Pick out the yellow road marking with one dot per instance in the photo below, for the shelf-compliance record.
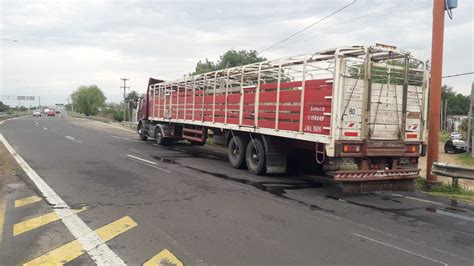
(116, 228)
(36, 222)
(26, 201)
(3, 204)
(59, 256)
(165, 257)
(73, 249)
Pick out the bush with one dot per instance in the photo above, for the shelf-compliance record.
(444, 136)
(112, 112)
(422, 184)
(118, 116)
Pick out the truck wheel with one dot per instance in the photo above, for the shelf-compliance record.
(160, 139)
(142, 132)
(236, 151)
(255, 157)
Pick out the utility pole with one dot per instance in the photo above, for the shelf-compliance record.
(445, 121)
(470, 132)
(124, 94)
(435, 86)
(442, 115)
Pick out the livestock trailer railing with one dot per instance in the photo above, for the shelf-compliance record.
(359, 106)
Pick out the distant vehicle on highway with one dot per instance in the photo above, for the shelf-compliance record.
(58, 112)
(455, 146)
(51, 113)
(36, 113)
(46, 111)
(455, 135)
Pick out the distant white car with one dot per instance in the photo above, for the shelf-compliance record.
(455, 135)
(36, 113)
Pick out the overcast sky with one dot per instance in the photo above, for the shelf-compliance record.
(64, 44)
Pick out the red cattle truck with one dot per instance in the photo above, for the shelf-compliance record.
(357, 113)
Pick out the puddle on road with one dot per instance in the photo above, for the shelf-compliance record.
(276, 188)
(399, 211)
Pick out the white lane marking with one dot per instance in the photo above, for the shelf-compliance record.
(73, 139)
(149, 163)
(45, 128)
(454, 215)
(117, 137)
(89, 240)
(418, 199)
(106, 124)
(399, 248)
(3, 121)
(141, 159)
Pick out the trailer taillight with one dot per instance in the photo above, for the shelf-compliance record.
(350, 148)
(411, 149)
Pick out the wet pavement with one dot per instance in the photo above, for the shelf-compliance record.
(189, 201)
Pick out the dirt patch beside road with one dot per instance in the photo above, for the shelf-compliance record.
(9, 169)
(8, 175)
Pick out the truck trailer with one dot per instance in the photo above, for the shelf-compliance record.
(355, 113)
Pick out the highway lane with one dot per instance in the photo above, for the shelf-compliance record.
(189, 201)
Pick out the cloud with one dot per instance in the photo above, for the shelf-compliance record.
(65, 44)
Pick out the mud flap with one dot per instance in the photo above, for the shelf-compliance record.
(275, 149)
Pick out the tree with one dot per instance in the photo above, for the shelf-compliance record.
(234, 58)
(132, 96)
(457, 104)
(204, 67)
(381, 74)
(88, 99)
(3, 107)
(231, 58)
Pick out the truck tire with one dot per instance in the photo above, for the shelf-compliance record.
(142, 132)
(236, 151)
(160, 139)
(255, 157)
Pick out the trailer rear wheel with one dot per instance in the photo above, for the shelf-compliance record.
(255, 157)
(236, 151)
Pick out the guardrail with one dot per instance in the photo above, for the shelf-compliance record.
(456, 172)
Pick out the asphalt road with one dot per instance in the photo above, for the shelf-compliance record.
(189, 201)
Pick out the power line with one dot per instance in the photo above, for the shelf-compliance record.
(358, 22)
(307, 27)
(460, 74)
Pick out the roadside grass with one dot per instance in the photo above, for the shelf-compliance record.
(8, 167)
(95, 118)
(443, 136)
(445, 190)
(9, 115)
(465, 159)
